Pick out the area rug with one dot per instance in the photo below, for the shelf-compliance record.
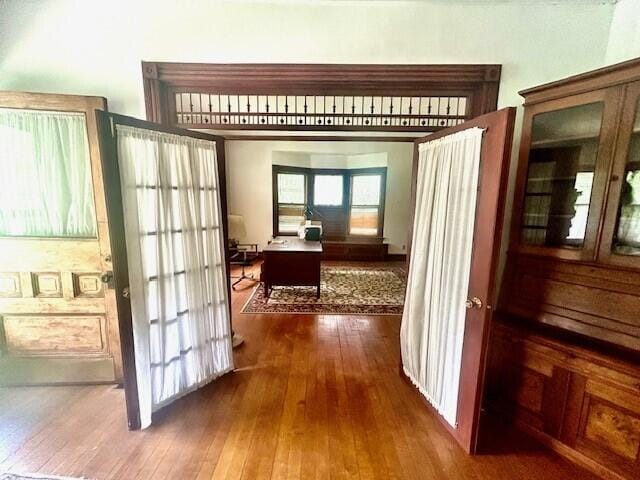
(370, 290)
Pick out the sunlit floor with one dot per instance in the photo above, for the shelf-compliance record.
(314, 396)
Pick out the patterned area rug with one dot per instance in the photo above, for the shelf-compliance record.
(371, 290)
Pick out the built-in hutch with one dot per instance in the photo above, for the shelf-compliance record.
(565, 349)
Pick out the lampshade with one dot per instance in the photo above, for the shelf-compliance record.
(237, 230)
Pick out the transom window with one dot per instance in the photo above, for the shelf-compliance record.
(348, 202)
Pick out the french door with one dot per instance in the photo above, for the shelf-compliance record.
(166, 204)
(484, 223)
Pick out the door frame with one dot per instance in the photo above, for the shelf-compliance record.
(495, 149)
(113, 192)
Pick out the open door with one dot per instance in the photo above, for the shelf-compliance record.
(494, 132)
(58, 320)
(166, 204)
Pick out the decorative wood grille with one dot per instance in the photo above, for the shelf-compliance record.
(313, 112)
(400, 98)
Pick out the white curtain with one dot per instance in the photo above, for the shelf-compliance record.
(179, 302)
(433, 320)
(48, 192)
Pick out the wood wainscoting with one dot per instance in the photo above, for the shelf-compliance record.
(591, 299)
(583, 404)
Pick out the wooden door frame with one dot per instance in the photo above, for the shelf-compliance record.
(470, 399)
(479, 83)
(113, 192)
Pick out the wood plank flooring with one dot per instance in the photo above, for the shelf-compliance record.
(313, 396)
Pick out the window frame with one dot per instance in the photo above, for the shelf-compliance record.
(347, 176)
(360, 172)
(280, 169)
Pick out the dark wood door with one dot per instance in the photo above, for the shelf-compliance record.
(111, 176)
(492, 185)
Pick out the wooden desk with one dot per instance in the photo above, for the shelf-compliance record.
(293, 263)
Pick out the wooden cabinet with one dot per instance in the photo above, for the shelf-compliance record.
(583, 404)
(565, 355)
(574, 256)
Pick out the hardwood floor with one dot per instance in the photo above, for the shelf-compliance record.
(313, 396)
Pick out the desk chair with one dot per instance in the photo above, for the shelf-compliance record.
(240, 253)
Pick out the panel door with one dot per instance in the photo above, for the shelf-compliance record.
(58, 321)
(494, 161)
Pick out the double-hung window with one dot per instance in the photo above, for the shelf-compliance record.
(291, 198)
(365, 215)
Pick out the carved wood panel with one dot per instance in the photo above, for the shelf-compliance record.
(592, 300)
(612, 428)
(587, 401)
(54, 335)
(48, 284)
(10, 285)
(87, 285)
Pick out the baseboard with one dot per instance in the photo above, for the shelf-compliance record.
(396, 257)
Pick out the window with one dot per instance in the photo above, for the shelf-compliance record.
(291, 199)
(364, 218)
(327, 190)
(50, 193)
(346, 201)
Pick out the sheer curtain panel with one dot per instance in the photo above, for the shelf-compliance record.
(433, 320)
(177, 272)
(45, 188)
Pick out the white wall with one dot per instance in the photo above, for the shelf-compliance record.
(95, 47)
(250, 189)
(624, 36)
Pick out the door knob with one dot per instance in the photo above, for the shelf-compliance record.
(106, 277)
(474, 302)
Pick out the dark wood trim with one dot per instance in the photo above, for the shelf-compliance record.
(326, 138)
(115, 214)
(347, 174)
(396, 257)
(150, 125)
(327, 77)
(617, 74)
(161, 80)
(222, 185)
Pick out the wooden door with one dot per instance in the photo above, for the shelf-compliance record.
(58, 321)
(106, 125)
(492, 185)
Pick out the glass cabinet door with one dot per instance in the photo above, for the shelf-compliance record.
(567, 146)
(621, 235)
(562, 161)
